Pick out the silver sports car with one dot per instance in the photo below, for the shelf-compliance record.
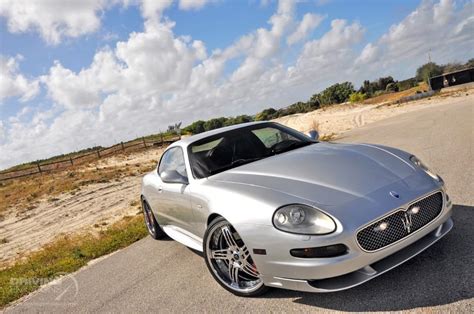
(271, 207)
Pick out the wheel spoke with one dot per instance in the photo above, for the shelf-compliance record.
(250, 270)
(229, 258)
(234, 274)
(245, 252)
(148, 218)
(219, 254)
(229, 238)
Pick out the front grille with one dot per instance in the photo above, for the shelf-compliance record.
(397, 226)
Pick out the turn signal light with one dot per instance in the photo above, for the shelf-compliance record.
(322, 251)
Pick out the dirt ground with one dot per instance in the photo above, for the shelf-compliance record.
(92, 207)
(338, 119)
(95, 206)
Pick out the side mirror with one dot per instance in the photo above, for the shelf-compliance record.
(173, 176)
(313, 134)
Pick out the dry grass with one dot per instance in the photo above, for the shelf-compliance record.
(328, 137)
(25, 192)
(391, 97)
(315, 125)
(67, 254)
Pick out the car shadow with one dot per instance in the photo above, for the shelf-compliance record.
(201, 254)
(440, 275)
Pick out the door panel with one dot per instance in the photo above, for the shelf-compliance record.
(176, 205)
(174, 202)
(154, 198)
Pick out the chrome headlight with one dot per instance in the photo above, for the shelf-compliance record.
(425, 168)
(302, 219)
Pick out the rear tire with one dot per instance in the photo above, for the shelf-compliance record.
(229, 261)
(151, 224)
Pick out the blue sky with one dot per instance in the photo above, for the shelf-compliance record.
(218, 25)
(79, 73)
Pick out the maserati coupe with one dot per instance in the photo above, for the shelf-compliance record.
(272, 207)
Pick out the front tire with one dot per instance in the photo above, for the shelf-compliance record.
(229, 261)
(151, 224)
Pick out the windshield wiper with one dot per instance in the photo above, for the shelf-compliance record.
(243, 161)
(291, 146)
(235, 163)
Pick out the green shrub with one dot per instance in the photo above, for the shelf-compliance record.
(392, 87)
(336, 94)
(357, 97)
(266, 114)
(428, 70)
(406, 84)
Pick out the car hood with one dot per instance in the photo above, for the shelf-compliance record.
(325, 173)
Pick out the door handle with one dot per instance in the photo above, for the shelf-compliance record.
(160, 189)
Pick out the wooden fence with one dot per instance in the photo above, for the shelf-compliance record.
(40, 168)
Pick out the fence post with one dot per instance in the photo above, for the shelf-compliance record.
(162, 142)
(144, 143)
(70, 159)
(98, 153)
(123, 148)
(39, 167)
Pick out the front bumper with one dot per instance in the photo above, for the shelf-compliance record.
(366, 273)
(279, 269)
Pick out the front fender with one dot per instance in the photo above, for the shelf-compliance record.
(237, 203)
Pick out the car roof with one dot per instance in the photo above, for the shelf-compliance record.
(184, 142)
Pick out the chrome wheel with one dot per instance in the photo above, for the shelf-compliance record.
(149, 219)
(152, 225)
(229, 260)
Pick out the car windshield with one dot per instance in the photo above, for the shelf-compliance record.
(234, 148)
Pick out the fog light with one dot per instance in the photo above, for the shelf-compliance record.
(381, 227)
(414, 210)
(322, 251)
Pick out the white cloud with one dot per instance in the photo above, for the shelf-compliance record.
(331, 55)
(13, 83)
(155, 78)
(192, 4)
(84, 89)
(110, 36)
(435, 28)
(55, 20)
(309, 22)
(369, 53)
(52, 19)
(263, 44)
(340, 36)
(3, 133)
(152, 9)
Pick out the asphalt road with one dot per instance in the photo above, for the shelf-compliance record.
(166, 276)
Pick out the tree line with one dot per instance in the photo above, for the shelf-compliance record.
(335, 94)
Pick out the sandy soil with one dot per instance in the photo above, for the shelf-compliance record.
(340, 118)
(95, 206)
(92, 208)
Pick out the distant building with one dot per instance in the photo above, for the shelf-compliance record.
(452, 79)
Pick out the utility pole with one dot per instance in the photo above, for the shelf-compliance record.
(429, 76)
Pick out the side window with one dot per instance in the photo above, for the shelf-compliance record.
(173, 159)
(271, 136)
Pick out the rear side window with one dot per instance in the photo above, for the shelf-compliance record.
(271, 136)
(173, 159)
(205, 147)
